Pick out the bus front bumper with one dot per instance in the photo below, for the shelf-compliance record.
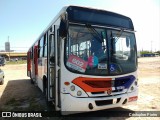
(71, 105)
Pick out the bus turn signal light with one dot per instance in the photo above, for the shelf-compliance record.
(66, 83)
(134, 98)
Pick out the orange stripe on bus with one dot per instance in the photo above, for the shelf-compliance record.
(93, 84)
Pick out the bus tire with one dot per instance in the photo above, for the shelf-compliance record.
(45, 91)
(32, 82)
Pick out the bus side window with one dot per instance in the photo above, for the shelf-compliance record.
(31, 53)
(41, 44)
(51, 49)
(45, 46)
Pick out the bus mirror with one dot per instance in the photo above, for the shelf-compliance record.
(63, 29)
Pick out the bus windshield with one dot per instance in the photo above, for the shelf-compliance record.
(100, 51)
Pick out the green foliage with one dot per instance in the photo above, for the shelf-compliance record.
(148, 52)
(145, 52)
(158, 52)
(16, 62)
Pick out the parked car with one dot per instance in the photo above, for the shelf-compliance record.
(2, 61)
(1, 77)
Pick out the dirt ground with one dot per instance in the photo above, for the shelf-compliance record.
(18, 94)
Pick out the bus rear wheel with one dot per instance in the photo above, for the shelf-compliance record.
(45, 88)
(32, 82)
(45, 92)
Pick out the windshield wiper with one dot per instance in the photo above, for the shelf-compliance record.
(93, 31)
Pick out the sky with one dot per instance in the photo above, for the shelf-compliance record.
(22, 21)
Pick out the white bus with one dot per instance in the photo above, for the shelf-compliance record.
(85, 60)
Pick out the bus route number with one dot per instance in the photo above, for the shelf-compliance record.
(77, 62)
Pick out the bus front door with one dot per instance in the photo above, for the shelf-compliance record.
(53, 67)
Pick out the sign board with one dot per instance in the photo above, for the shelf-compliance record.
(77, 63)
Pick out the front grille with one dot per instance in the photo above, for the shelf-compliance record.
(98, 84)
(124, 81)
(117, 90)
(118, 100)
(121, 82)
(103, 102)
(106, 102)
(98, 92)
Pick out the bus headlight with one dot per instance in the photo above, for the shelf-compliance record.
(76, 91)
(72, 88)
(79, 93)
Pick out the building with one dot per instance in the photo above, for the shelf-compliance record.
(14, 55)
(7, 46)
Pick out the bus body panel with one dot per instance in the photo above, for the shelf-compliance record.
(29, 63)
(73, 105)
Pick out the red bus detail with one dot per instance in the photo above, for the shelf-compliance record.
(94, 84)
(36, 59)
(29, 61)
(134, 98)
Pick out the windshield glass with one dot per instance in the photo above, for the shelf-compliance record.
(99, 51)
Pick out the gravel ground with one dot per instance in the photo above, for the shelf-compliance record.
(17, 94)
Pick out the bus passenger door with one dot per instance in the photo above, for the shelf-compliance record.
(57, 68)
(53, 68)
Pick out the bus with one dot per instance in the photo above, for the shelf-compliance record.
(85, 60)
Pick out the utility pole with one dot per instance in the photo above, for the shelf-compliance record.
(151, 46)
(9, 48)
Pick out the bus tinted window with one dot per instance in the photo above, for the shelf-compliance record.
(104, 18)
(89, 53)
(45, 46)
(41, 44)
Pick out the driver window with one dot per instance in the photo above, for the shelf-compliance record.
(51, 48)
(122, 49)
